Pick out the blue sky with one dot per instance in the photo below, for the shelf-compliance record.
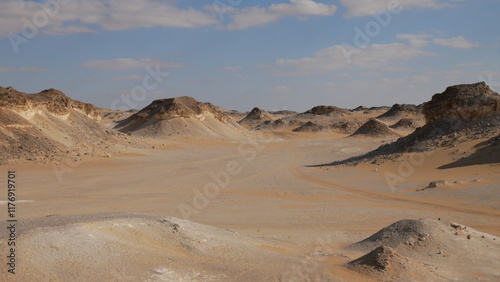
(238, 54)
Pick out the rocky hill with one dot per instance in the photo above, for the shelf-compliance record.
(328, 111)
(417, 250)
(461, 113)
(375, 128)
(398, 111)
(463, 102)
(50, 101)
(180, 117)
(407, 124)
(256, 117)
(48, 126)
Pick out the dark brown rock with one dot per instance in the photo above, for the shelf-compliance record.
(465, 101)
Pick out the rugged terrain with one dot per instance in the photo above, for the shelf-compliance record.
(477, 117)
(181, 117)
(375, 128)
(49, 126)
(193, 196)
(426, 250)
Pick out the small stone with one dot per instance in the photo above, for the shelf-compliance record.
(437, 183)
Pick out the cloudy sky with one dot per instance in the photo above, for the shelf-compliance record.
(237, 54)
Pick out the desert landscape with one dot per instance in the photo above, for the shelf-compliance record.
(184, 190)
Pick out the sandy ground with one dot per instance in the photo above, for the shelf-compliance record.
(292, 218)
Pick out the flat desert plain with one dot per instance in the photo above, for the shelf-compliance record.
(255, 209)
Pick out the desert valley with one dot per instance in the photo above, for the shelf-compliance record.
(184, 190)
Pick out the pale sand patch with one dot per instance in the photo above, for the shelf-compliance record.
(295, 213)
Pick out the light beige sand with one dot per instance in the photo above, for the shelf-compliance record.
(292, 220)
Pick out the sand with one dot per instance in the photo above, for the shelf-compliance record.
(275, 215)
(184, 193)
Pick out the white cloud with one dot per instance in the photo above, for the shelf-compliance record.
(127, 77)
(149, 13)
(397, 69)
(337, 57)
(326, 85)
(406, 80)
(255, 16)
(474, 64)
(455, 42)
(281, 89)
(81, 16)
(8, 69)
(421, 40)
(17, 69)
(361, 8)
(415, 40)
(264, 66)
(446, 73)
(127, 63)
(232, 68)
(58, 29)
(87, 16)
(122, 92)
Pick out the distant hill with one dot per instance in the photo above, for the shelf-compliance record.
(181, 117)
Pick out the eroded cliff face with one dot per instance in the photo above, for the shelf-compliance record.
(465, 102)
(49, 127)
(49, 101)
